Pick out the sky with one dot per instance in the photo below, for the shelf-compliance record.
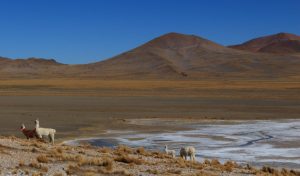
(85, 31)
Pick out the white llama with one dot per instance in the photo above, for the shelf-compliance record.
(44, 131)
(170, 152)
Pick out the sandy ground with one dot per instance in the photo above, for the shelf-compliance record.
(23, 157)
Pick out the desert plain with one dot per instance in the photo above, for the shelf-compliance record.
(78, 107)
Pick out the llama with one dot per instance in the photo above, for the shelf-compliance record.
(28, 133)
(170, 152)
(188, 151)
(44, 131)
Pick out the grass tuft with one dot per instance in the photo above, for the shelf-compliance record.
(42, 159)
(128, 159)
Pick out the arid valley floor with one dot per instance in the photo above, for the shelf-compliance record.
(80, 109)
(72, 106)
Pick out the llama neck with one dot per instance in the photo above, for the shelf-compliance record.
(37, 125)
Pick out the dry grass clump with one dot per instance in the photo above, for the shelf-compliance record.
(58, 174)
(120, 172)
(21, 163)
(66, 147)
(128, 159)
(284, 172)
(37, 174)
(64, 157)
(42, 159)
(207, 162)
(89, 173)
(108, 164)
(215, 162)
(83, 161)
(265, 170)
(142, 151)
(171, 171)
(2, 151)
(203, 173)
(230, 165)
(57, 153)
(122, 149)
(181, 162)
(123, 172)
(38, 166)
(59, 150)
(292, 172)
(72, 169)
(105, 150)
(152, 171)
(89, 161)
(160, 155)
(34, 165)
(197, 165)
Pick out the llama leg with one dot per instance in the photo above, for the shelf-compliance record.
(52, 138)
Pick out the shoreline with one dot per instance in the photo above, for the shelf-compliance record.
(39, 158)
(143, 138)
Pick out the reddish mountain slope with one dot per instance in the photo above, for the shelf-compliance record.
(187, 56)
(282, 43)
(171, 56)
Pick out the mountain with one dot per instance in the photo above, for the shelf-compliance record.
(28, 68)
(182, 56)
(281, 43)
(170, 56)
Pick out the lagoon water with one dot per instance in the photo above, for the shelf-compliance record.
(258, 142)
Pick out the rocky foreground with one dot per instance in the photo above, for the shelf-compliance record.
(24, 157)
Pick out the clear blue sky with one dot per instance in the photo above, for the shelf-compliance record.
(82, 31)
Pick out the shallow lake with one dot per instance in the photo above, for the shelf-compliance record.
(258, 142)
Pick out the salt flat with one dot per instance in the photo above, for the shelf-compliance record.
(259, 142)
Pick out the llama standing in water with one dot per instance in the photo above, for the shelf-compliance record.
(170, 152)
(188, 151)
(44, 131)
(28, 133)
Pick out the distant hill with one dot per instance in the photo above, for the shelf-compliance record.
(28, 68)
(170, 56)
(281, 43)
